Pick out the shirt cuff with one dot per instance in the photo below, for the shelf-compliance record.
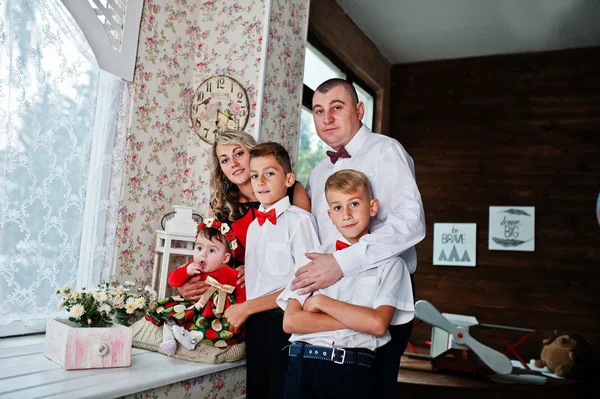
(287, 294)
(349, 260)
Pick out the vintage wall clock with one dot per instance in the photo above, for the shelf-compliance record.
(219, 103)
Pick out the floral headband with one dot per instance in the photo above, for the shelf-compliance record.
(222, 227)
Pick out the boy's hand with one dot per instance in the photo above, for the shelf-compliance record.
(193, 269)
(241, 281)
(193, 289)
(236, 315)
(313, 304)
(321, 272)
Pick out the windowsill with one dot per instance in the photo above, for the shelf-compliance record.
(23, 340)
(26, 373)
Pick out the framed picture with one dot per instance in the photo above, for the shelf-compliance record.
(512, 228)
(454, 244)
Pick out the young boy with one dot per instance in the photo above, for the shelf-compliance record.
(335, 332)
(276, 245)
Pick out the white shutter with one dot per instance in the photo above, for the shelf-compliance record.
(112, 28)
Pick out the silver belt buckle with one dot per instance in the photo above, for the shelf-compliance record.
(343, 355)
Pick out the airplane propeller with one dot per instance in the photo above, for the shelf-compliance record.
(491, 357)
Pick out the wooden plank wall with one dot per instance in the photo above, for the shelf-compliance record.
(521, 130)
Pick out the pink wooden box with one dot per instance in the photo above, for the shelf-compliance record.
(75, 347)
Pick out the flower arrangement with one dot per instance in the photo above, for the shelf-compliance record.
(99, 307)
(222, 227)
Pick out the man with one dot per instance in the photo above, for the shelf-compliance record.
(399, 225)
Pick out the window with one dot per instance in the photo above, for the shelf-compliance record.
(58, 116)
(317, 69)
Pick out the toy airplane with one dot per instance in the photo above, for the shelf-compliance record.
(459, 337)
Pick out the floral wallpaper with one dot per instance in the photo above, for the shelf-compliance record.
(182, 43)
(285, 67)
(221, 385)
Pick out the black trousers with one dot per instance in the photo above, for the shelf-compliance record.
(387, 359)
(266, 355)
(316, 379)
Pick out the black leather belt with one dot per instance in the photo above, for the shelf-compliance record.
(361, 357)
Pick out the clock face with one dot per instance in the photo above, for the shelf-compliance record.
(219, 103)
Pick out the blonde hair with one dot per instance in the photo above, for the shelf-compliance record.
(225, 196)
(349, 181)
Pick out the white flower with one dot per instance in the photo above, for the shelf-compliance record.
(130, 307)
(140, 303)
(234, 244)
(209, 222)
(77, 311)
(120, 289)
(100, 296)
(224, 228)
(75, 295)
(89, 321)
(105, 308)
(65, 289)
(129, 283)
(118, 301)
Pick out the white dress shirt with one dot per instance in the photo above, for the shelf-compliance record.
(388, 284)
(400, 222)
(275, 252)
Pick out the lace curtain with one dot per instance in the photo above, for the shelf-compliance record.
(62, 140)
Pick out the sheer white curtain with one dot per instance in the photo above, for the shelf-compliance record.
(59, 116)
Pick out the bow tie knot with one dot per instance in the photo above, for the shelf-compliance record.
(339, 245)
(263, 216)
(335, 155)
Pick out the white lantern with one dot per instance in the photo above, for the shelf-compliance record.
(178, 238)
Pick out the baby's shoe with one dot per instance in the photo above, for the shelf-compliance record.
(168, 347)
(184, 337)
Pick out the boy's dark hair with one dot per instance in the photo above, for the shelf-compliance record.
(335, 82)
(214, 235)
(349, 181)
(274, 150)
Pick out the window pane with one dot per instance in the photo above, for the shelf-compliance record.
(311, 149)
(317, 68)
(45, 152)
(369, 105)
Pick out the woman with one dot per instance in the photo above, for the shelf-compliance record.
(232, 199)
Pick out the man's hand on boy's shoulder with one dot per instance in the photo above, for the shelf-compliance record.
(321, 272)
(193, 288)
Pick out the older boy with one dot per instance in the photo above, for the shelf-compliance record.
(336, 331)
(277, 240)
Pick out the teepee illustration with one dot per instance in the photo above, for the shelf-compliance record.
(454, 255)
(443, 256)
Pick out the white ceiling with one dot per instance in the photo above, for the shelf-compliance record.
(419, 30)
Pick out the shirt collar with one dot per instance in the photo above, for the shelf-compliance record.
(280, 206)
(358, 140)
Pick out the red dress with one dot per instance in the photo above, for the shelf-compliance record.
(212, 328)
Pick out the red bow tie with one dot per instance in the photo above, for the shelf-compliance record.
(339, 245)
(270, 216)
(335, 155)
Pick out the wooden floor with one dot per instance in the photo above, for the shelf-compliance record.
(416, 379)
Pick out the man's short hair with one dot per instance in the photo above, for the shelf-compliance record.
(335, 82)
(349, 181)
(275, 150)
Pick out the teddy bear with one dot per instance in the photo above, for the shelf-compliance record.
(561, 354)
